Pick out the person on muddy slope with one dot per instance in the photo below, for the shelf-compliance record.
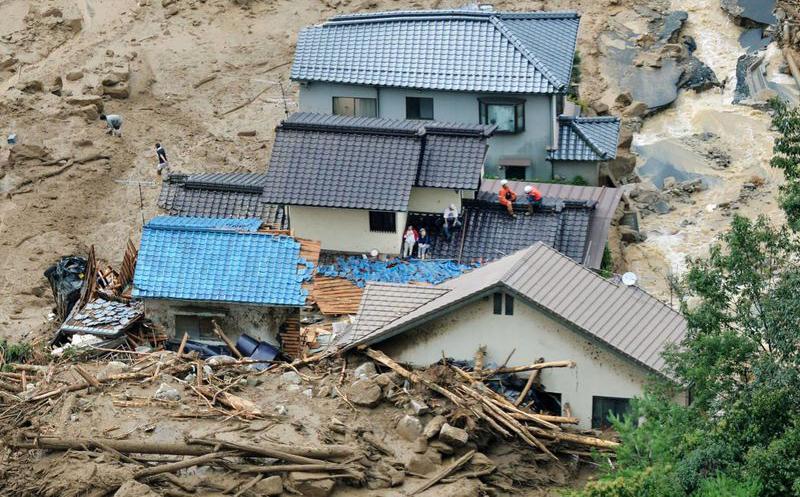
(114, 123)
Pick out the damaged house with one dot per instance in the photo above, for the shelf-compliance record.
(470, 65)
(194, 272)
(535, 303)
(352, 183)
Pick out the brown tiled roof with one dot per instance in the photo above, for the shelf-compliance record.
(626, 319)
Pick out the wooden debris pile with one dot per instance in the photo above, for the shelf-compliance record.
(468, 392)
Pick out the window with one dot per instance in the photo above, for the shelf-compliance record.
(509, 305)
(383, 222)
(198, 327)
(516, 172)
(419, 108)
(603, 407)
(507, 114)
(499, 297)
(498, 303)
(355, 107)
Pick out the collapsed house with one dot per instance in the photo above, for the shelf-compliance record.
(469, 65)
(535, 303)
(196, 274)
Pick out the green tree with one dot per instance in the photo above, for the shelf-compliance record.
(741, 363)
(786, 121)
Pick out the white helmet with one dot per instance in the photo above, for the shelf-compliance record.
(528, 189)
(503, 182)
(453, 207)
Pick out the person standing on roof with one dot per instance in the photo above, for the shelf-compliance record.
(162, 158)
(534, 197)
(114, 123)
(409, 240)
(451, 221)
(507, 197)
(423, 244)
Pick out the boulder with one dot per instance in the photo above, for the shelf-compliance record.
(308, 484)
(84, 100)
(630, 235)
(624, 99)
(89, 112)
(636, 109)
(600, 108)
(623, 166)
(441, 447)
(409, 427)
(74, 75)
(133, 488)
(418, 407)
(291, 378)
(453, 436)
(119, 90)
(171, 10)
(30, 86)
(365, 392)
(434, 426)
(269, 486)
(661, 207)
(365, 370)
(385, 380)
(423, 464)
(166, 392)
(113, 368)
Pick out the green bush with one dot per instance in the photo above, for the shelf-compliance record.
(724, 486)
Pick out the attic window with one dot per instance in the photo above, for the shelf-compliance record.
(507, 113)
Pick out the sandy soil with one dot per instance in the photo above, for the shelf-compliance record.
(61, 209)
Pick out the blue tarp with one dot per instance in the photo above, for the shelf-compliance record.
(360, 270)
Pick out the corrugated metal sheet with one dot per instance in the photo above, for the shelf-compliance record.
(626, 319)
(461, 50)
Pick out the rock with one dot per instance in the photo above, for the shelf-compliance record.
(294, 388)
(219, 360)
(636, 109)
(630, 235)
(308, 484)
(291, 378)
(89, 112)
(661, 207)
(670, 183)
(167, 3)
(324, 391)
(600, 108)
(424, 464)
(624, 99)
(269, 486)
(30, 86)
(281, 410)
(119, 90)
(133, 488)
(171, 11)
(749, 13)
(434, 426)
(166, 392)
(697, 76)
(74, 75)
(385, 380)
(365, 392)
(308, 393)
(673, 24)
(453, 436)
(365, 370)
(420, 445)
(441, 447)
(625, 138)
(113, 368)
(409, 427)
(250, 132)
(418, 407)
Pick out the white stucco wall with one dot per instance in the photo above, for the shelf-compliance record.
(599, 371)
(590, 171)
(344, 230)
(260, 322)
(433, 200)
(454, 107)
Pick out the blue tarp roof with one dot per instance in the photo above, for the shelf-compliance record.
(359, 270)
(218, 260)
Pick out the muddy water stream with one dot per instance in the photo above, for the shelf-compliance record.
(667, 146)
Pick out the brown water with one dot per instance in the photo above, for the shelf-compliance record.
(743, 133)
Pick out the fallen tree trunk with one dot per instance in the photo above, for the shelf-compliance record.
(176, 466)
(285, 468)
(531, 367)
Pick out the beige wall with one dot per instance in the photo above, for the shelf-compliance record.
(433, 200)
(599, 371)
(259, 322)
(344, 230)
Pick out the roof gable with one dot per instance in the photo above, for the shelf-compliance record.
(218, 260)
(587, 138)
(626, 319)
(462, 50)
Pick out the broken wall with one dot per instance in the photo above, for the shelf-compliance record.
(530, 334)
(259, 322)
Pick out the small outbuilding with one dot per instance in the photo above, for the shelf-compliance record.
(194, 272)
(536, 303)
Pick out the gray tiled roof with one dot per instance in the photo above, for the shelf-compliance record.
(231, 195)
(370, 163)
(605, 199)
(626, 319)
(462, 50)
(586, 138)
(389, 301)
(490, 233)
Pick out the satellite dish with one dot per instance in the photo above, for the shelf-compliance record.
(629, 279)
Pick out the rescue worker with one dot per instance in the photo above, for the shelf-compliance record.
(534, 197)
(114, 123)
(451, 221)
(507, 197)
